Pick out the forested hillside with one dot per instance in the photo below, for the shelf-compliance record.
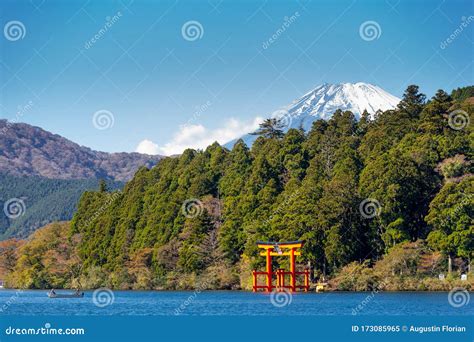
(393, 195)
(43, 175)
(28, 203)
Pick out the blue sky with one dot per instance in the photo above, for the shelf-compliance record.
(166, 88)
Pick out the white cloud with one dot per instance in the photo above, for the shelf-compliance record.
(199, 137)
(147, 147)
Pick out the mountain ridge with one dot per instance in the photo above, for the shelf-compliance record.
(27, 150)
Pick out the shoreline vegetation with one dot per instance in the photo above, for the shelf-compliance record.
(408, 267)
(312, 290)
(383, 205)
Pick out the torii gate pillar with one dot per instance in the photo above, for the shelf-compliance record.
(275, 249)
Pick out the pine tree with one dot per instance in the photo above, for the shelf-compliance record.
(271, 128)
(434, 114)
(103, 186)
(412, 101)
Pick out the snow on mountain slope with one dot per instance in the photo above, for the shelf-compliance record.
(324, 100)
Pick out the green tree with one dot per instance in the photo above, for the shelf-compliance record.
(238, 169)
(271, 128)
(451, 216)
(412, 101)
(103, 186)
(434, 114)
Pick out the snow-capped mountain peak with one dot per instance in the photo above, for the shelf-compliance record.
(324, 100)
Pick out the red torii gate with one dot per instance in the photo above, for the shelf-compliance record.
(276, 249)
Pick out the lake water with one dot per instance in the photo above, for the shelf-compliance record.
(206, 303)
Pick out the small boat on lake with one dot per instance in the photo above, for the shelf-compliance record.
(77, 294)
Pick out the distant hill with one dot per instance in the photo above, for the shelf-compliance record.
(48, 173)
(38, 201)
(27, 150)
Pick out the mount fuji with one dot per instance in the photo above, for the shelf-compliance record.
(324, 100)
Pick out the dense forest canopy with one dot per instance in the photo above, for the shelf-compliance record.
(358, 192)
(30, 202)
